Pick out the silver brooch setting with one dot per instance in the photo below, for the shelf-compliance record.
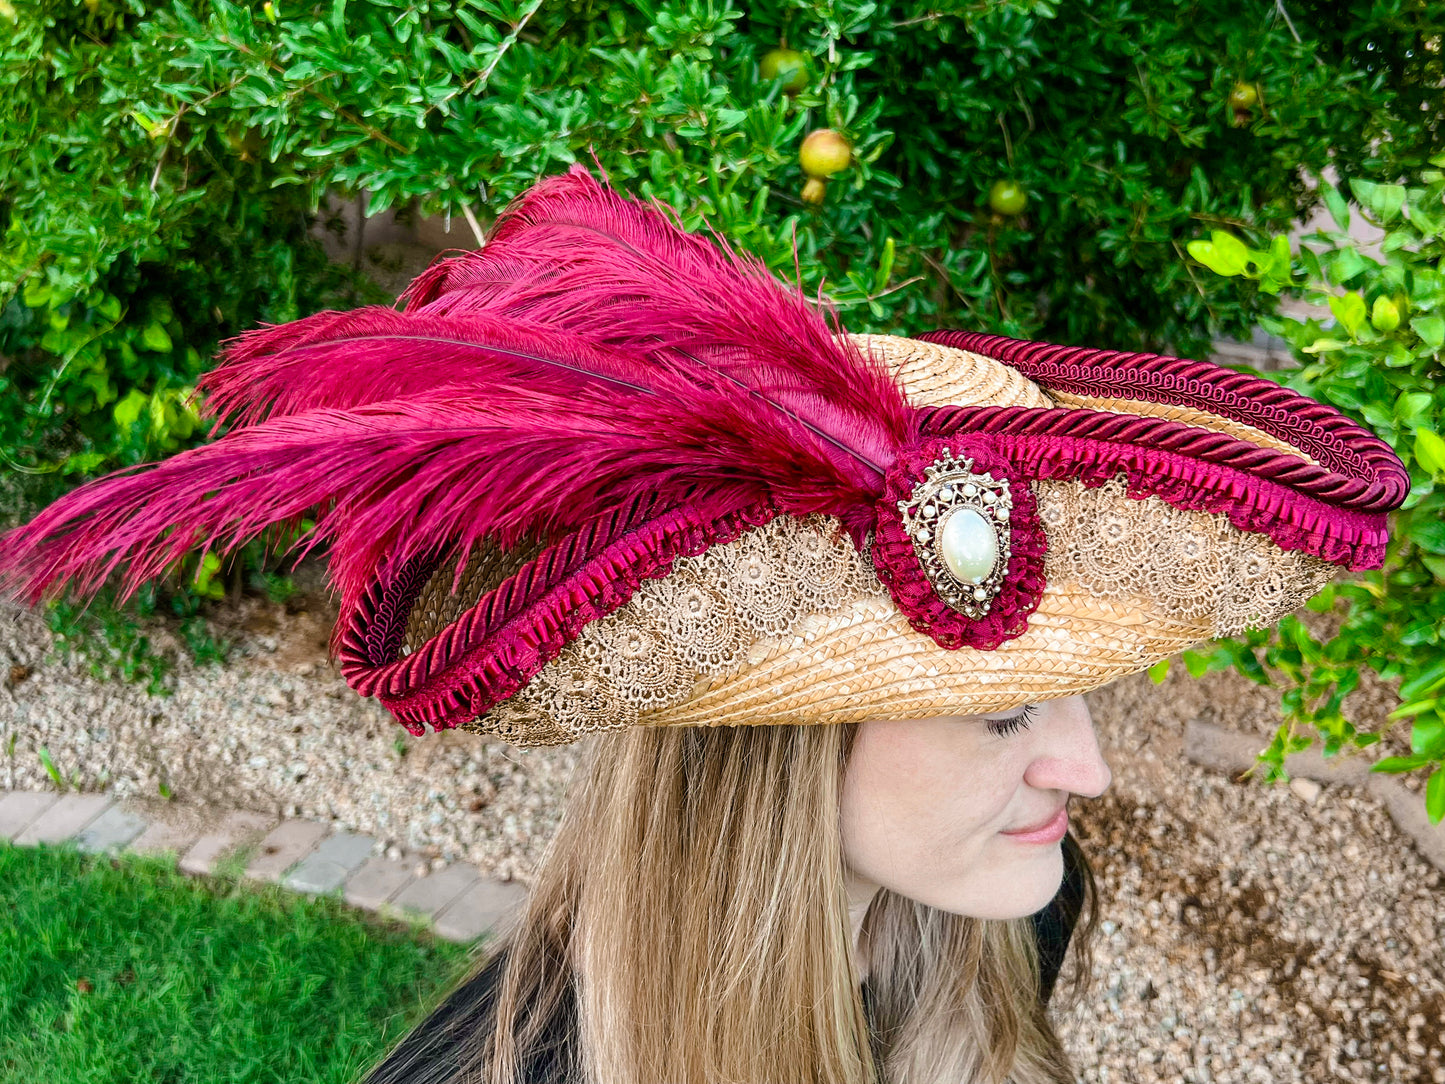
(958, 522)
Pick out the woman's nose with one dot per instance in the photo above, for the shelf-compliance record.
(1067, 756)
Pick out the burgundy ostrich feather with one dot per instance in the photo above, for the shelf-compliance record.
(437, 471)
(629, 291)
(425, 432)
(572, 254)
(341, 360)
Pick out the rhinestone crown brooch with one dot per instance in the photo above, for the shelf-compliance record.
(958, 522)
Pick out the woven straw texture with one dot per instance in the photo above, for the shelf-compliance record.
(868, 663)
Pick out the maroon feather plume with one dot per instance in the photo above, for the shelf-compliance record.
(345, 359)
(624, 357)
(572, 253)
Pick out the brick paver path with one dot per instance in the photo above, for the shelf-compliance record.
(303, 856)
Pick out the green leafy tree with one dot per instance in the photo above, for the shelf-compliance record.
(159, 165)
(1381, 359)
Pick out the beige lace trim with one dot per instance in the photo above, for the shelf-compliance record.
(1195, 565)
(696, 623)
(717, 609)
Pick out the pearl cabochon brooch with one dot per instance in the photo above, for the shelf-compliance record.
(958, 522)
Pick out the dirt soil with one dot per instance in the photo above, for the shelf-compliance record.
(1247, 934)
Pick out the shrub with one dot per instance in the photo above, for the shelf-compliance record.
(159, 164)
(1381, 361)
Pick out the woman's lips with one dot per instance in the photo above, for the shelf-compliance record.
(1051, 831)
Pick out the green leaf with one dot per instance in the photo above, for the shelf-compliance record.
(1435, 796)
(885, 267)
(1414, 407)
(51, 770)
(1397, 765)
(82, 462)
(1396, 239)
(1421, 632)
(1349, 310)
(128, 410)
(1385, 314)
(1430, 450)
(1398, 355)
(1159, 671)
(1277, 272)
(1429, 535)
(1383, 200)
(1431, 330)
(1427, 681)
(1345, 264)
(1338, 208)
(37, 293)
(154, 337)
(109, 308)
(1427, 737)
(1324, 346)
(1223, 253)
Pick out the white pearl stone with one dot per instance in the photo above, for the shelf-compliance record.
(969, 546)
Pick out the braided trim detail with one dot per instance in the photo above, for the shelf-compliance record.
(1300, 506)
(375, 634)
(511, 632)
(1343, 447)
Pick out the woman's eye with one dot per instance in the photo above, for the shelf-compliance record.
(1014, 723)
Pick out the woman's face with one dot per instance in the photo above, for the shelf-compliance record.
(966, 813)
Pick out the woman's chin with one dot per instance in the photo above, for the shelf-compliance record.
(1015, 886)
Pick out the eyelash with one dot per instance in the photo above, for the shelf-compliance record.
(1014, 723)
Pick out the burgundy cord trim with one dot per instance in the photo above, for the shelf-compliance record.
(387, 627)
(501, 643)
(374, 635)
(1339, 444)
(1378, 491)
(1208, 473)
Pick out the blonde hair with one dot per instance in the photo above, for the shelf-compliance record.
(693, 903)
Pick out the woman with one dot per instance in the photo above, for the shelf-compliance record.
(757, 921)
(825, 602)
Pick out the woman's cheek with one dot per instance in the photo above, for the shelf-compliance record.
(948, 780)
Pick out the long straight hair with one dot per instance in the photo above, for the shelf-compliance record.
(692, 907)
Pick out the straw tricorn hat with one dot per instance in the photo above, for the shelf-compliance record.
(602, 473)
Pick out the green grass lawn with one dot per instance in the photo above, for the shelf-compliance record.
(125, 971)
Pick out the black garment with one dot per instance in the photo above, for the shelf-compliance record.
(1054, 925)
(431, 1053)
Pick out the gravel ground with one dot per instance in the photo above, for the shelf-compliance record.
(275, 730)
(1248, 935)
